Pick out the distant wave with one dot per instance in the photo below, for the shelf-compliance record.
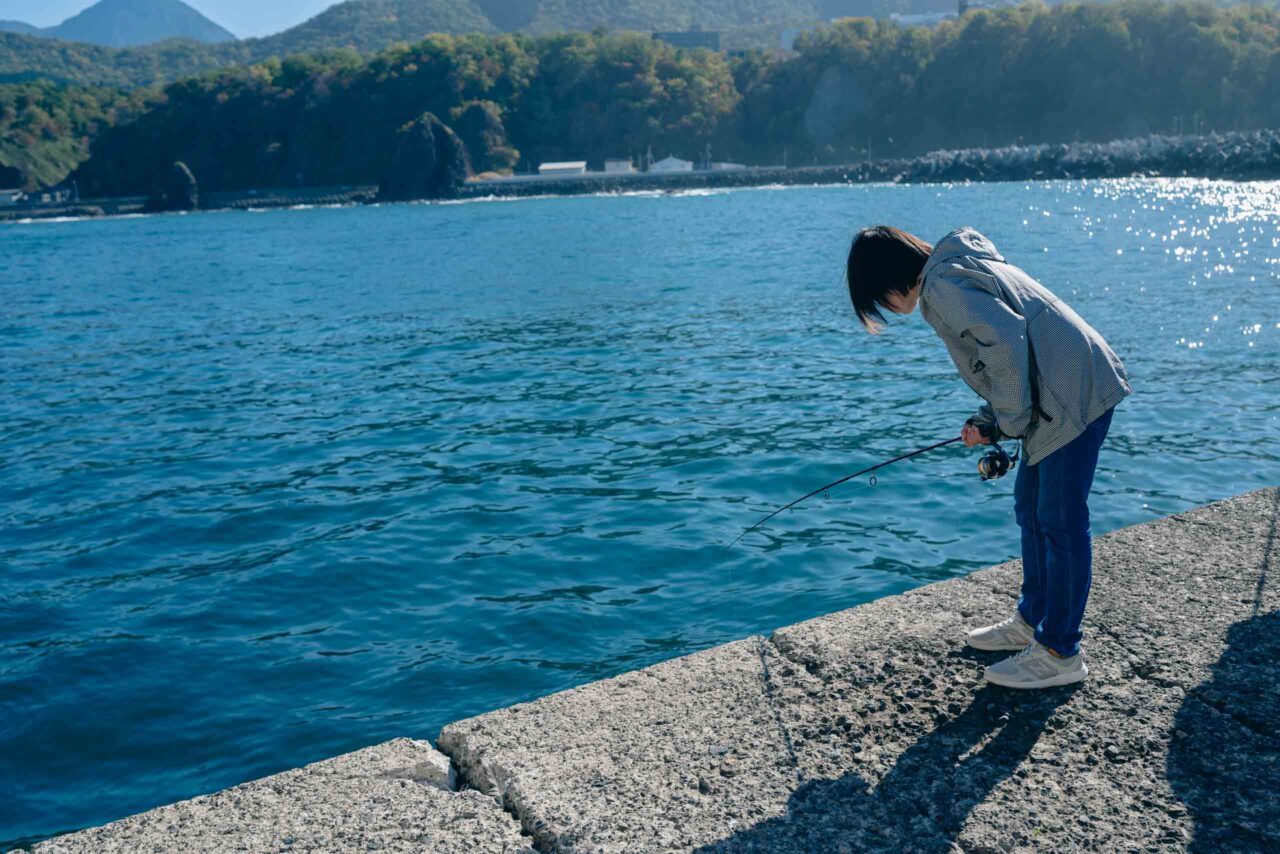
(639, 194)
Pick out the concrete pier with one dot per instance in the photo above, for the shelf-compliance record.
(392, 797)
(865, 730)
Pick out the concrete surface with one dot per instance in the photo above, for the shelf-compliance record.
(386, 798)
(865, 730)
(871, 729)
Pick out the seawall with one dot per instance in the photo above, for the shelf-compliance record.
(869, 729)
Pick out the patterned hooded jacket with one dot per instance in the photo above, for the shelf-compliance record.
(1044, 373)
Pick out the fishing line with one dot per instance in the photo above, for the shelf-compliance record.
(994, 464)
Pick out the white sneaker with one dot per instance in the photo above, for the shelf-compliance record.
(1013, 633)
(1036, 667)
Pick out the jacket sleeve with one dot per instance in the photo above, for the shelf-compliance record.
(1000, 335)
(986, 417)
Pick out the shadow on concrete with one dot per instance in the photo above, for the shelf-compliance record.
(921, 803)
(1224, 752)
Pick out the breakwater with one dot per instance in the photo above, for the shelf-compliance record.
(279, 197)
(866, 729)
(1241, 156)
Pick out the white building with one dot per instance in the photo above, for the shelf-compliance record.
(8, 198)
(726, 167)
(618, 166)
(672, 164)
(568, 167)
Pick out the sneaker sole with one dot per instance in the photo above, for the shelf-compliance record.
(1052, 682)
(989, 646)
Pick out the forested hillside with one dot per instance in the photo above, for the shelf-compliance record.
(310, 121)
(25, 58)
(1030, 74)
(368, 26)
(45, 129)
(730, 15)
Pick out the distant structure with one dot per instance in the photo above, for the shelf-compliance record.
(672, 164)
(973, 5)
(60, 195)
(618, 166)
(787, 40)
(926, 19)
(692, 38)
(568, 167)
(727, 167)
(54, 196)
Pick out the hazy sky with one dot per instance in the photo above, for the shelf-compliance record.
(242, 17)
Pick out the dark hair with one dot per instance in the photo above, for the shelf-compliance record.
(882, 260)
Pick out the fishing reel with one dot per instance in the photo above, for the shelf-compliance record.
(996, 463)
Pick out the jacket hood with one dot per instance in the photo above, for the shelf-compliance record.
(964, 240)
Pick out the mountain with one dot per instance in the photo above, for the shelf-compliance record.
(555, 15)
(508, 15)
(371, 25)
(130, 23)
(368, 26)
(18, 27)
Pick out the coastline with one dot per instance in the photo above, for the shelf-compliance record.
(1236, 156)
(868, 728)
(1243, 156)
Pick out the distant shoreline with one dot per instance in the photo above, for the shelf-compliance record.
(1237, 156)
(1240, 156)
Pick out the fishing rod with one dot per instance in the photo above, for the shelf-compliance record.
(994, 464)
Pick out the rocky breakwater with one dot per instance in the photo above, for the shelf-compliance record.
(868, 729)
(1241, 156)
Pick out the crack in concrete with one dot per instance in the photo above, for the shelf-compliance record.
(1258, 729)
(766, 676)
(1140, 665)
(1266, 555)
(499, 790)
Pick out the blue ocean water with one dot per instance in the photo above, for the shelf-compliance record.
(279, 485)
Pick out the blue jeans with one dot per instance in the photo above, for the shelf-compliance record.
(1050, 501)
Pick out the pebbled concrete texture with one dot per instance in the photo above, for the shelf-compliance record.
(871, 730)
(868, 729)
(392, 797)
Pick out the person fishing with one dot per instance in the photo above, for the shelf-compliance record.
(1049, 380)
